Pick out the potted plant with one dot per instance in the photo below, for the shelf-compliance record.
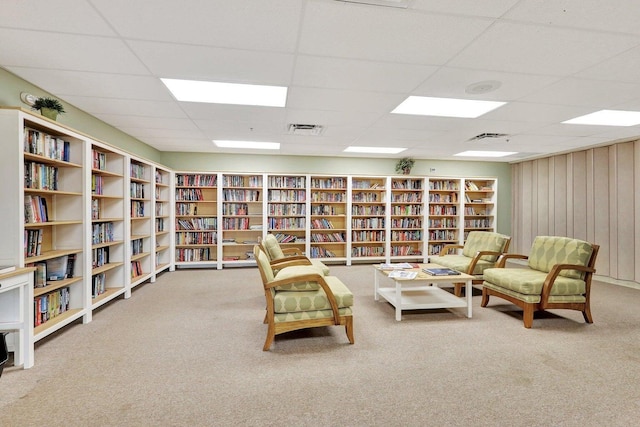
(49, 107)
(404, 165)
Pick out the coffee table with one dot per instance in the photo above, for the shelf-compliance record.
(421, 292)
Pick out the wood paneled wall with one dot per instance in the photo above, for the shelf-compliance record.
(592, 195)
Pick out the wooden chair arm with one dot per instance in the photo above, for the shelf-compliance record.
(502, 260)
(476, 258)
(310, 277)
(291, 251)
(446, 248)
(550, 280)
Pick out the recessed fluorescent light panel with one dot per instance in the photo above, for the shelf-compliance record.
(227, 93)
(608, 118)
(374, 150)
(446, 107)
(247, 144)
(485, 153)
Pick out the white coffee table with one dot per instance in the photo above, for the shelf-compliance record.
(421, 292)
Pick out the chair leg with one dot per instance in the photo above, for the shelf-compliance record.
(271, 334)
(586, 313)
(485, 298)
(349, 328)
(457, 289)
(527, 316)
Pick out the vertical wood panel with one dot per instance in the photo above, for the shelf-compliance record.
(590, 200)
(560, 196)
(625, 212)
(551, 196)
(579, 192)
(601, 217)
(516, 207)
(636, 193)
(526, 213)
(613, 211)
(542, 173)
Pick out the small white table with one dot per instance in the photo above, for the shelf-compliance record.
(16, 312)
(423, 291)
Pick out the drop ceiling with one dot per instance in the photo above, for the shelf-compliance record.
(347, 66)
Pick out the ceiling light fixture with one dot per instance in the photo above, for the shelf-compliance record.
(227, 93)
(486, 153)
(247, 144)
(483, 87)
(607, 118)
(446, 107)
(374, 150)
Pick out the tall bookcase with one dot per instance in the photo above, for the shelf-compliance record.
(44, 215)
(196, 224)
(328, 218)
(107, 224)
(243, 220)
(444, 213)
(287, 209)
(479, 205)
(141, 228)
(368, 219)
(162, 242)
(407, 214)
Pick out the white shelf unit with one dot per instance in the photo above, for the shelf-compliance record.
(444, 213)
(407, 219)
(163, 227)
(328, 228)
(368, 227)
(141, 224)
(479, 205)
(287, 210)
(107, 235)
(243, 216)
(197, 212)
(42, 163)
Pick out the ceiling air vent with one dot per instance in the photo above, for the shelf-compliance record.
(488, 135)
(305, 130)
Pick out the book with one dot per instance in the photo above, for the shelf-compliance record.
(441, 271)
(7, 268)
(397, 266)
(401, 274)
(57, 268)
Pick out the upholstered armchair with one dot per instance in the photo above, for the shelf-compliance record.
(557, 276)
(479, 252)
(283, 257)
(299, 301)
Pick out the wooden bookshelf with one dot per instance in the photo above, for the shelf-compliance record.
(287, 209)
(328, 218)
(196, 219)
(479, 205)
(368, 219)
(407, 218)
(444, 213)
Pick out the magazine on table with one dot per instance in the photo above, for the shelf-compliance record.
(401, 274)
(441, 271)
(397, 266)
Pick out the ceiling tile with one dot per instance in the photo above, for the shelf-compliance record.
(385, 34)
(489, 8)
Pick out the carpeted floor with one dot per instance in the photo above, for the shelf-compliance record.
(187, 351)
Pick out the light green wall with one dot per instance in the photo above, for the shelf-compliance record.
(11, 86)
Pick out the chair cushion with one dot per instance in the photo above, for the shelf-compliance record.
(294, 301)
(298, 270)
(461, 263)
(272, 247)
(264, 265)
(321, 266)
(484, 241)
(307, 315)
(526, 281)
(548, 251)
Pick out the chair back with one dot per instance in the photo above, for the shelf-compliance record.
(266, 273)
(272, 248)
(548, 251)
(485, 241)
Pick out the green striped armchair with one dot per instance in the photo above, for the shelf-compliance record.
(557, 276)
(480, 251)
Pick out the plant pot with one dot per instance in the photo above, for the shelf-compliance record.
(406, 171)
(49, 113)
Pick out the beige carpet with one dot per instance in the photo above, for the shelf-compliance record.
(187, 351)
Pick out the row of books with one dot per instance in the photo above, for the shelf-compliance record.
(205, 223)
(287, 181)
(189, 194)
(287, 209)
(407, 198)
(287, 195)
(242, 181)
(329, 183)
(33, 242)
(199, 180)
(326, 210)
(43, 144)
(102, 232)
(193, 238)
(136, 190)
(39, 176)
(241, 195)
(137, 171)
(35, 209)
(194, 254)
(50, 305)
(98, 160)
(286, 223)
(51, 270)
(406, 184)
